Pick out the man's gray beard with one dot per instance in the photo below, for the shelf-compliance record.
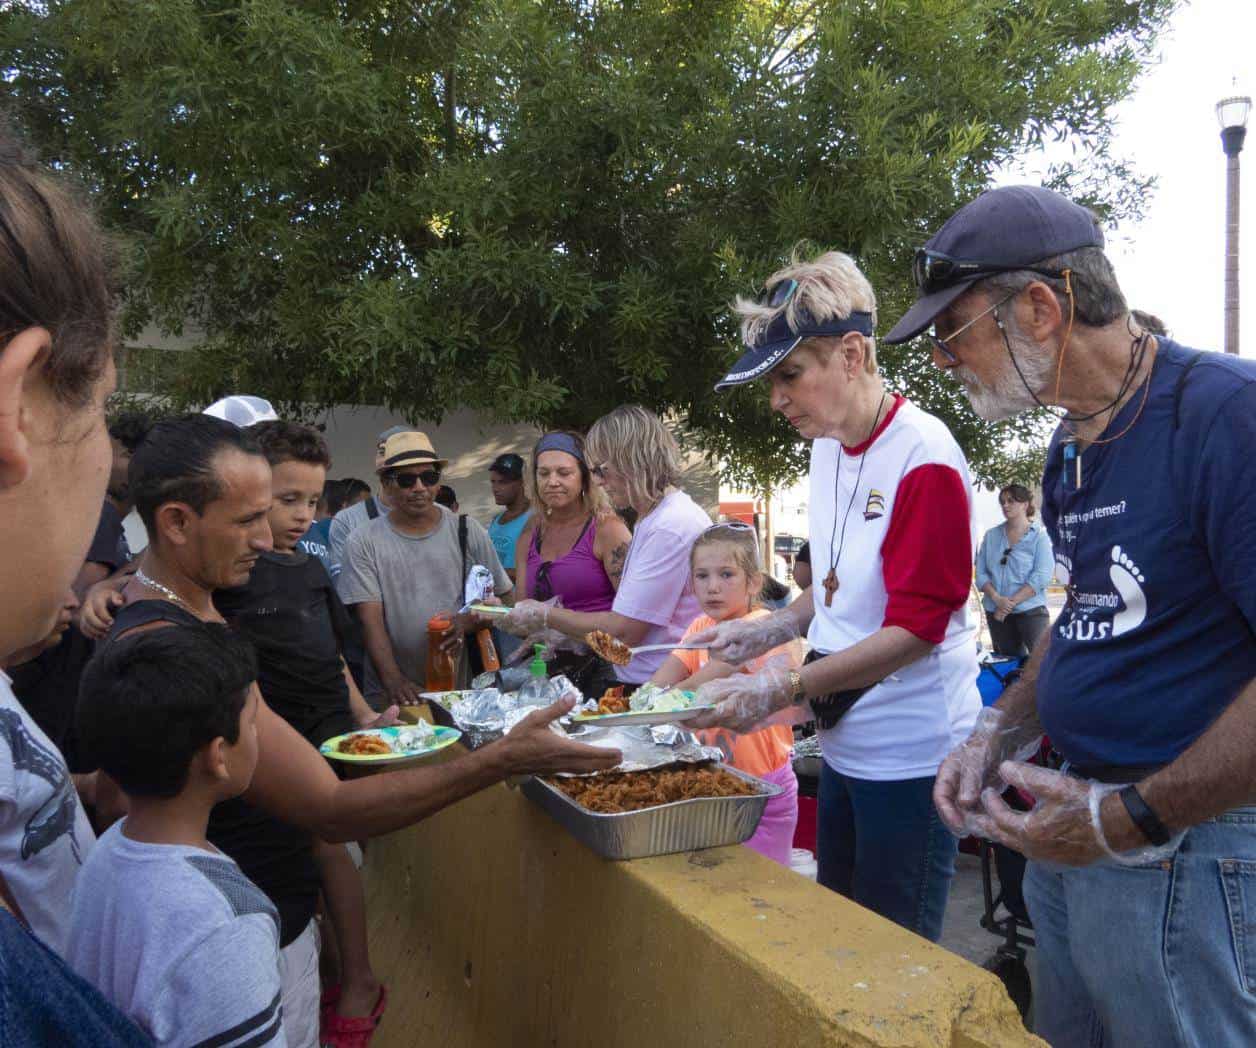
(1008, 395)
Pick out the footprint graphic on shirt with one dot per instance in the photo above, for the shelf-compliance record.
(1128, 581)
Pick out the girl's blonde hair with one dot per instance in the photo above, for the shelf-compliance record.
(829, 287)
(635, 442)
(745, 546)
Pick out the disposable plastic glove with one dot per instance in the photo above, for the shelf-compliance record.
(740, 640)
(743, 700)
(973, 767)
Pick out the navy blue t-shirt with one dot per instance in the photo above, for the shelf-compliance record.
(1157, 636)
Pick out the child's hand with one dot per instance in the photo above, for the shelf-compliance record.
(382, 720)
(95, 617)
(737, 641)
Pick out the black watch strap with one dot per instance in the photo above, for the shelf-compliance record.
(1144, 818)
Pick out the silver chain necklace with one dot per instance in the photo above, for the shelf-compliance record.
(165, 591)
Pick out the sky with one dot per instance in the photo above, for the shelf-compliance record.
(1171, 261)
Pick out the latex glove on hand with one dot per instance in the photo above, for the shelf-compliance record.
(744, 700)
(1065, 825)
(740, 640)
(528, 616)
(972, 767)
(551, 641)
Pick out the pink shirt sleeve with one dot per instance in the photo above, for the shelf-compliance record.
(655, 578)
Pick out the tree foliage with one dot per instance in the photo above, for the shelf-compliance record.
(541, 208)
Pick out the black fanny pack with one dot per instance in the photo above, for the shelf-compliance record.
(831, 708)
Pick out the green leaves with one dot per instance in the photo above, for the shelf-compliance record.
(541, 210)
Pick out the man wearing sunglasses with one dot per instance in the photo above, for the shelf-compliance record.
(407, 566)
(1142, 880)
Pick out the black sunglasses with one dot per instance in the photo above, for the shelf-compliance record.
(779, 293)
(542, 587)
(1006, 553)
(933, 271)
(429, 478)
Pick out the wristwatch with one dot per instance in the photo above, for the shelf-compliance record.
(1143, 817)
(797, 693)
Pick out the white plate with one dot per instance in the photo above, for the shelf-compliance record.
(643, 719)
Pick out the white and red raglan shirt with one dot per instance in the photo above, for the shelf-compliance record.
(906, 561)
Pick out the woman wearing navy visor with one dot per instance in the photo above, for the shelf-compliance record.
(891, 679)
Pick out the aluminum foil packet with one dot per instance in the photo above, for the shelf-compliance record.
(646, 748)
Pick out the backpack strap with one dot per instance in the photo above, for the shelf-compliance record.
(462, 544)
(372, 508)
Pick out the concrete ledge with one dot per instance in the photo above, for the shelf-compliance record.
(492, 926)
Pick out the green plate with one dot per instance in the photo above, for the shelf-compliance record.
(642, 718)
(444, 737)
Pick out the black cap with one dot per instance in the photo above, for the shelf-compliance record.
(509, 465)
(1014, 227)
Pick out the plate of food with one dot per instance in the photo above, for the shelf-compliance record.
(401, 742)
(646, 706)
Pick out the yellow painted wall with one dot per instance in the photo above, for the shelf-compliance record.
(492, 926)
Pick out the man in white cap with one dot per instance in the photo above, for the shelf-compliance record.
(407, 566)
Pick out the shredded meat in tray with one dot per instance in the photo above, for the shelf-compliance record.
(634, 790)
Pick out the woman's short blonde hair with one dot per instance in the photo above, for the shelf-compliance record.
(635, 442)
(830, 287)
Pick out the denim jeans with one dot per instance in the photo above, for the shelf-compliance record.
(1158, 954)
(883, 845)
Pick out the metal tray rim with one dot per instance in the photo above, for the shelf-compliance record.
(767, 789)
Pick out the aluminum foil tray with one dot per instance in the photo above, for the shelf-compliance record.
(702, 822)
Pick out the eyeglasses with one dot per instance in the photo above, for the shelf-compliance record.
(542, 587)
(1006, 553)
(933, 271)
(599, 471)
(429, 478)
(940, 344)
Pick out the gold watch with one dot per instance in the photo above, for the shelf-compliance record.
(797, 693)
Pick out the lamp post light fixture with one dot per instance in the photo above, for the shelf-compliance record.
(1232, 114)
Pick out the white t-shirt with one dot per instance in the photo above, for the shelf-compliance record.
(179, 940)
(906, 561)
(656, 587)
(44, 833)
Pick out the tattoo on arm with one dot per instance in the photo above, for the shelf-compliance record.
(615, 563)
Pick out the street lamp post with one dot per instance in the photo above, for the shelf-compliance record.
(1232, 115)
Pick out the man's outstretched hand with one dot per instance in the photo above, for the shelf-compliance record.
(534, 748)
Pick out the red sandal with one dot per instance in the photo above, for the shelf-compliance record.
(349, 1031)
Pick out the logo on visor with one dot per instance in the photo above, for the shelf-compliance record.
(875, 506)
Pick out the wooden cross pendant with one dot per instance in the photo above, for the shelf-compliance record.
(830, 587)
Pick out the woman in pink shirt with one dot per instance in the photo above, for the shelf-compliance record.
(635, 458)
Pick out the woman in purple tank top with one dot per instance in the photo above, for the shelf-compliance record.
(576, 548)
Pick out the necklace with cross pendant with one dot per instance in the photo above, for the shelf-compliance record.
(830, 586)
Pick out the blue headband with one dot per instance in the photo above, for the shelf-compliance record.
(560, 442)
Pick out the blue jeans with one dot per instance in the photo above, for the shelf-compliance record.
(1158, 954)
(883, 845)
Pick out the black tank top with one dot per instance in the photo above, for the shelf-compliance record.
(276, 856)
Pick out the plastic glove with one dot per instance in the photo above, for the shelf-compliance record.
(1064, 826)
(528, 616)
(740, 640)
(973, 766)
(743, 700)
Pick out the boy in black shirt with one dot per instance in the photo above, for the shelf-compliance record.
(290, 611)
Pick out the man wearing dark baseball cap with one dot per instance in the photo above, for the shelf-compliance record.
(1142, 847)
(505, 477)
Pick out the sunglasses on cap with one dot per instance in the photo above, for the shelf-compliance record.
(779, 293)
(933, 271)
(731, 525)
(429, 478)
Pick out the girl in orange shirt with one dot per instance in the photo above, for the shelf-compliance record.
(724, 562)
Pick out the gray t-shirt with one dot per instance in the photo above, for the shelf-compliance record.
(178, 939)
(414, 577)
(44, 832)
(346, 522)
